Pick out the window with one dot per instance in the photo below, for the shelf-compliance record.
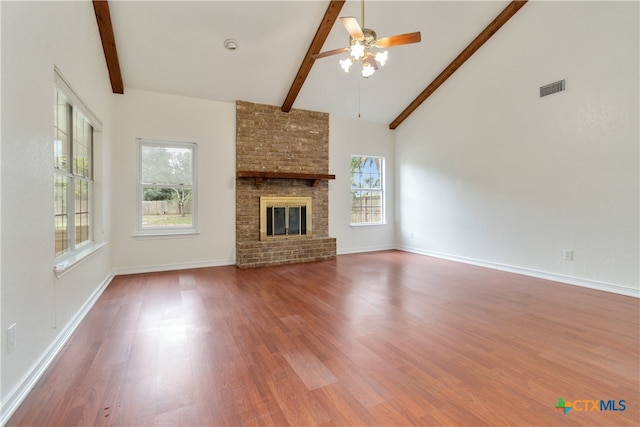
(367, 190)
(73, 176)
(167, 187)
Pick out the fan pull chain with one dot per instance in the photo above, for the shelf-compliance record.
(359, 84)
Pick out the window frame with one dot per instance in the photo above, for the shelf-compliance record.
(381, 190)
(167, 230)
(74, 112)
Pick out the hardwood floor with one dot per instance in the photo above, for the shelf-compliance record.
(385, 338)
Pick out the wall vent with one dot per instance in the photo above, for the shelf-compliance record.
(553, 88)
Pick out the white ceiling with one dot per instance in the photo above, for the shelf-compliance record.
(177, 47)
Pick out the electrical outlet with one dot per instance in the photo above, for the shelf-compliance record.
(568, 255)
(11, 338)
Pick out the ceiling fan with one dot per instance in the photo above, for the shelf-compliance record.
(364, 45)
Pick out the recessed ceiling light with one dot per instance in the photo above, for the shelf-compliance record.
(231, 44)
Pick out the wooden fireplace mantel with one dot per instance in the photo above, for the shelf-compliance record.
(312, 178)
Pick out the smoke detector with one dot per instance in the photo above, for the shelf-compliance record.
(231, 44)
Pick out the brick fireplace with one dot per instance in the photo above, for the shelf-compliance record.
(281, 155)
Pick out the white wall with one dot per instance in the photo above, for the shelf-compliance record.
(489, 173)
(349, 137)
(35, 38)
(142, 114)
(211, 125)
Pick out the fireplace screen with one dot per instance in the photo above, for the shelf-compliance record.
(286, 221)
(285, 217)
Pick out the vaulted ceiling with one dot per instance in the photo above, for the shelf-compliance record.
(177, 47)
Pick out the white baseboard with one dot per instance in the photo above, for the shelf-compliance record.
(364, 249)
(29, 380)
(585, 283)
(171, 267)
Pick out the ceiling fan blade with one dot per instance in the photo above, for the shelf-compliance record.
(352, 26)
(399, 39)
(330, 52)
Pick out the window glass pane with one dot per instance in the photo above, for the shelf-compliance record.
(60, 150)
(81, 211)
(366, 206)
(82, 146)
(366, 172)
(60, 132)
(167, 207)
(61, 113)
(357, 180)
(61, 212)
(167, 165)
(376, 173)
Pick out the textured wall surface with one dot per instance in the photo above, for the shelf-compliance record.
(165, 117)
(36, 37)
(489, 173)
(268, 140)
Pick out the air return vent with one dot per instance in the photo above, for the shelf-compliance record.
(553, 88)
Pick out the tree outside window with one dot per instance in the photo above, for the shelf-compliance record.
(167, 185)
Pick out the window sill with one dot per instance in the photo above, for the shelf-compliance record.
(63, 267)
(154, 235)
(368, 224)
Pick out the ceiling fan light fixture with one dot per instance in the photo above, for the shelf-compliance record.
(346, 64)
(381, 57)
(357, 50)
(367, 70)
(364, 50)
(364, 45)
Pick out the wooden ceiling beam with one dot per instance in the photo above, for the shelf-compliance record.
(330, 16)
(485, 35)
(103, 16)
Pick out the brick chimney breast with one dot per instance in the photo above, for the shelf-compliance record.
(268, 140)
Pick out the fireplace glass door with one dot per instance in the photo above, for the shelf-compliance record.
(285, 217)
(286, 220)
